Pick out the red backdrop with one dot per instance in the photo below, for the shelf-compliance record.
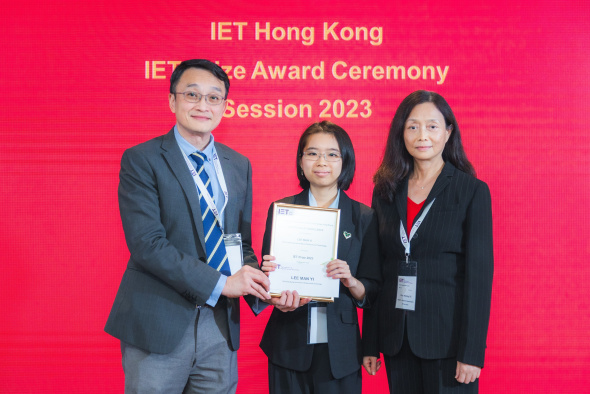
(82, 82)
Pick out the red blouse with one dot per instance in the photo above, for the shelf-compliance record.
(413, 210)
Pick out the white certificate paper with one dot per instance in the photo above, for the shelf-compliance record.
(304, 240)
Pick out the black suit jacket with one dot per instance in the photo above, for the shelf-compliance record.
(167, 274)
(454, 251)
(285, 337)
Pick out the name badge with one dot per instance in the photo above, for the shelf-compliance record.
(233, 248)
(407, 281)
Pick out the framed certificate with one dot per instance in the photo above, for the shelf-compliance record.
(304, 240)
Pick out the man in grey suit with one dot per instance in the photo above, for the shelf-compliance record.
(176, 312)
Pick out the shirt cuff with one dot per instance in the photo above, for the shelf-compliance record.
(362, 303)
(214, 297)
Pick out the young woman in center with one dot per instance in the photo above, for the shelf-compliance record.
(325, 168)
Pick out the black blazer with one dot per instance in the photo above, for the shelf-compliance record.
(167, 274)
(285, 337)
(454, 251)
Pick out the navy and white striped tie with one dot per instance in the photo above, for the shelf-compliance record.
(216, 253)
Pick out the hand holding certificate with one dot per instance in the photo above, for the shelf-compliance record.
(304, 240)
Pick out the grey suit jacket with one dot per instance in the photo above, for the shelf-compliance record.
(166, 276)
(454, 251)
(285, 337)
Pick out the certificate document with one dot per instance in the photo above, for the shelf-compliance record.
(304, 240)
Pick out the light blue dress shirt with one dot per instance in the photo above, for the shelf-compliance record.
(218, 196)
(314, 203)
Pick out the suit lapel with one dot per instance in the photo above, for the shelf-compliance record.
(173, 156)
(440, 184)
(346, 232)
(302, 198)
(401, 203)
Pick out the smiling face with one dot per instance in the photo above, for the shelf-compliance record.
(321, 173)
(197, 118)
(425, 133)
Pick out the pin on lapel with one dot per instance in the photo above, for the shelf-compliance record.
(347, 234)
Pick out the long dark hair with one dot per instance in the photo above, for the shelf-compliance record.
(346, 150)
(397, 162)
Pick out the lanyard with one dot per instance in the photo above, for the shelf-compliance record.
(203, 190)
(402, 232)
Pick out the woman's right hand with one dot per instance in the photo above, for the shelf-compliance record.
(268, 264)
(371, 364)
(288, 301)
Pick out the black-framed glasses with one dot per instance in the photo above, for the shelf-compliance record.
(313, 155)
(195, 97)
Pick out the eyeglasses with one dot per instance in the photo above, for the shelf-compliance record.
(313, 155)
(195, 97)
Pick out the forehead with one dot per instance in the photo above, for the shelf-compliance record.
(322, 141)
(425, 111)
(202, 80)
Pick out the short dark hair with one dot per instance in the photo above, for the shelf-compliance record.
(202, 64)
(398, 163)
(344, 144)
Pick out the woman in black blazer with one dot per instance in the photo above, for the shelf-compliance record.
(431, 318)
(325, 168)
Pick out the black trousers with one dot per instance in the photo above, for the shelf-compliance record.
(317, 379)
(409, 374)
